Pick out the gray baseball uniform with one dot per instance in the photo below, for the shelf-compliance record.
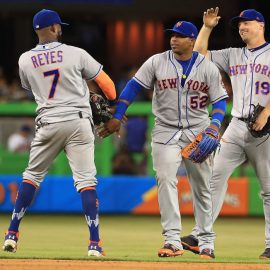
(63, 121)
(249, 71)
(180, 113)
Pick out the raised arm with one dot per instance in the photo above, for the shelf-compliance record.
(210, 20)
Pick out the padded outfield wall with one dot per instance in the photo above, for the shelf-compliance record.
(127, 194)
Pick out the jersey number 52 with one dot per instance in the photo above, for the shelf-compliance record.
(198, 102)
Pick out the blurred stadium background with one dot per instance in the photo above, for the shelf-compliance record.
(120, 34)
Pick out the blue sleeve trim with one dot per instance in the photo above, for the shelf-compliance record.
(93, 77)
(129, 93)
(219, 99)
(141, 83)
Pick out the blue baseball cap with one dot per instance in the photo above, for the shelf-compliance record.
(186, 29)
(247, 15)
(45, 18)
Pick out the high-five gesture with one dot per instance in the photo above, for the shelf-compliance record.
(210, 20)
(210, 17)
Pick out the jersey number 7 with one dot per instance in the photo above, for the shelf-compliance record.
(55, 73)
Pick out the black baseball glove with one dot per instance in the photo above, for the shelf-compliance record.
(100, 109)
(252, 119)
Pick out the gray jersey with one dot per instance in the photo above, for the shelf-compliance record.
(56, 75)
(250, 76)
(176, 107)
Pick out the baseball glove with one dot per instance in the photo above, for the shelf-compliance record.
(100, 109)
(204, 144)
(252, 119)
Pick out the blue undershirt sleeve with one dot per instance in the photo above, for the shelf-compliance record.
(217, 117)
(126, 98)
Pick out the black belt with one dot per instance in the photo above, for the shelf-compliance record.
(81, 115)
(42, 124)
(243, 119)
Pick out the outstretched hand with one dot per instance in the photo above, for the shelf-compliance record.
(211, 18)
(113, 125)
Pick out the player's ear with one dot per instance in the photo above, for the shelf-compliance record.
(192, 42)
(54, 28)
(261, 25)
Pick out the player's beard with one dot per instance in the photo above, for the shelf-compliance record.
(59, 35)
(245, 39)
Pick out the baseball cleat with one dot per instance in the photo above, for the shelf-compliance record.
(190, 243)
(11, 239)
(95, 249)
(207, 253)
(265, 255)
(170, 251)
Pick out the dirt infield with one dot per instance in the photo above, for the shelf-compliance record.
(16, 264)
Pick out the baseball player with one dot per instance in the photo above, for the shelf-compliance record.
(56, 74)
(249, 71)
(184, 83)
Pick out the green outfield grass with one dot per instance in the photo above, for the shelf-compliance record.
(133, 238)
